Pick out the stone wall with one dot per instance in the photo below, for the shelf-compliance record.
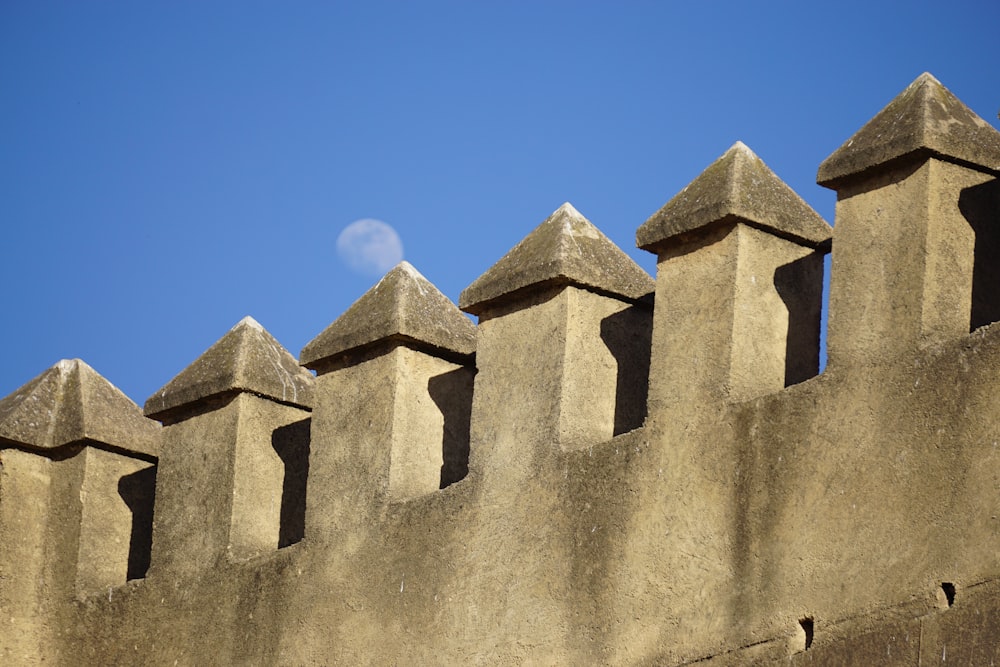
(607, 469)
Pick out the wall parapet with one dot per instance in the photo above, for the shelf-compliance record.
(607, 469)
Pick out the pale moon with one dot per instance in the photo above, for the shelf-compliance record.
(370, 247)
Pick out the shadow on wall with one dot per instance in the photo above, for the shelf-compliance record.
(138, 491)
(452, 394)
(628, 335)
(291, 443)
(800, 286)
(980, 205)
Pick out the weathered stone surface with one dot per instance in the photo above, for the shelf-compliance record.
(248, 359)
(71, 402)
(925, 119)
(26, 559)
(227, 483)
(115, 519)
(918, 206)
(69, 526)
(737, 187)
(913, 253)
(393, 395)
(403, 306)
(888, 643)
(565, 249)
(384, 429)
(849, 519)
(742, 320)
(570, 370)
(967, 633)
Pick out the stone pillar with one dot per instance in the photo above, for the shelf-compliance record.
(738, 298)
(564, 323)
(738, 286)
(393, 389)
(234, 456)
(77, 465)
(918, 208)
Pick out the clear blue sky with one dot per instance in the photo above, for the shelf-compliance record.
(167, 168)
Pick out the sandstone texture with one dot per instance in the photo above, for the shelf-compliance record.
(608, 469)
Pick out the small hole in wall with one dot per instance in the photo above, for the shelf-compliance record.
(806, 634)
(946, 596)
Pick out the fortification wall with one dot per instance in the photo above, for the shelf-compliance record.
(607, 469)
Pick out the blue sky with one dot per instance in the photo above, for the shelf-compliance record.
(168, 168)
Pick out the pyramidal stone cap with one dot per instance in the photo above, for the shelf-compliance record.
(565, 249)
(71, 403)
(926, 119)
(402, 307)
(738, 187)
(246, 359)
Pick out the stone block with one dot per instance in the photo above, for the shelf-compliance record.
(738, 287)
(393, 399)
(25, 557)
(231, 481)
(917, 196)
(116, 512)
(564, 325)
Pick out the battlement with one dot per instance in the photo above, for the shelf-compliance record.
(609, 468)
